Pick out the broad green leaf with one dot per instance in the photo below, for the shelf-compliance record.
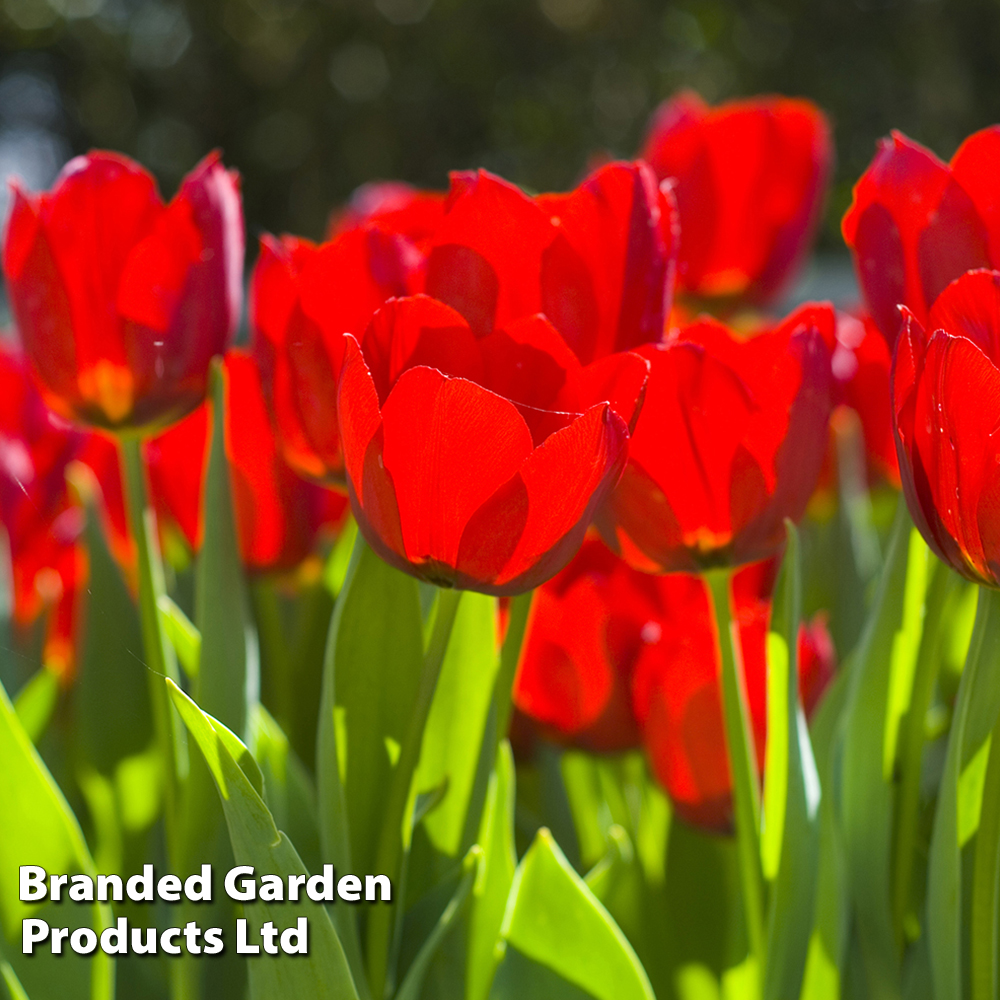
(976, 711)
(36, 702)
(39, 828)
(553, 919)
(112, 718)
(228, 681)
(457, 722)
(183, 636)
(411, 986)
(372, 672)
(288, 789)
(257, 842)
(985, 923)
(866, 797)
(905, 647)
(521, 978)
(794, 821)
(970, 794)
(591, 815)
(829, 940)
(496, 874)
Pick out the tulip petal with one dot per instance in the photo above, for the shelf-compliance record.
(486, 256)
(607, 281)
(449, 445)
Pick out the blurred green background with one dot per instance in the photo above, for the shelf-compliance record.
(310, 98)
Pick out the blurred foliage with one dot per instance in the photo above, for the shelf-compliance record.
(310, 98)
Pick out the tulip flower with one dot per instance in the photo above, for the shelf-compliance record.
(946, 407)
(122, 301)
(478, 462)
(39, 517)
(597, 262)
(730, 443)
(304, 297)
(615, 658)
(916, 224)
(749, 177)
(278, 515)
(396, 207)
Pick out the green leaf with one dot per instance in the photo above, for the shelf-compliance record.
(457, 722)
(288, 789)
(36, 702)
(985, 924)
(256, 841)
(228, 681)
(976, 711)
(39, 828)
(791, 830)
(370, 685)
(496, 874)
(111, 704)
(183, 636)
(554, 920)
(411, 986)
(866, 797)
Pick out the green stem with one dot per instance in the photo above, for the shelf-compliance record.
(161, 663)
(742, 761)
(986, 881)
(912, 740)
(510, 655)
(394, 838)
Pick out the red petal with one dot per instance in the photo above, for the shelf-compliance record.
(619, 380)
(970, 307)
(607, 282)
(974, 167)
(485, 259)
(912, 229)
(449, 445)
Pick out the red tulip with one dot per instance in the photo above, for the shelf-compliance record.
(749, 177)
(916, 223)
(946, 410)
(730, 443)
(478, 462)
(598, 261)
(615, 658)
(396, 207)
(121, 301)
(39, 517)
(278, 515)
(303, 299)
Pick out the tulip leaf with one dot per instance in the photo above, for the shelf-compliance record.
(492, 886)
(227, 684)
(39, 828)
(866, 796)
(457, 723)
(985, 924)
(555, 922)
(791, 811)
(36, 702)
(111, 701)
(976, 711)
(288, 788)
(415, 975)
(256, 841)
(373, 665)
(183, 636)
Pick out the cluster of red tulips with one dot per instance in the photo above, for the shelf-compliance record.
(587, 395)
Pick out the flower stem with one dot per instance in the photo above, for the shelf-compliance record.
(510, 655)
(742, 762)
(394, 840)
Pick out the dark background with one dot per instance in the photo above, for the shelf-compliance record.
(309, 98)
